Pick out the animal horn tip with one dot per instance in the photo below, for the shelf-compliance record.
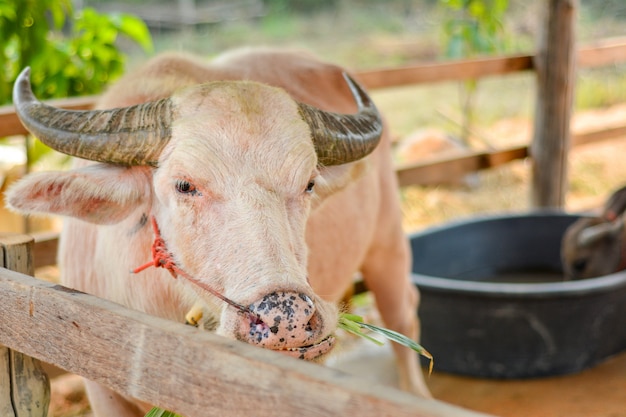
(21, 89)
(25, 74)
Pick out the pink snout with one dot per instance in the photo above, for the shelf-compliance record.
(287, 322)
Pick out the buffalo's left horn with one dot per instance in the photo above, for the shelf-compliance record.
(132, 135)
(343, 138)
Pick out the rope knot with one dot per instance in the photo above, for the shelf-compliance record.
(161, 257)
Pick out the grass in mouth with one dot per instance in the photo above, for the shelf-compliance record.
(354, 324)
(157, 412)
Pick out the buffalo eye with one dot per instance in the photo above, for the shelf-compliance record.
(185, 187)
(310, 186)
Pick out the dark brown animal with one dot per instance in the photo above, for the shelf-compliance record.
(596, 246)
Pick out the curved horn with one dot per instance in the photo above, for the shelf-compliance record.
(343, 138)
(132, 135)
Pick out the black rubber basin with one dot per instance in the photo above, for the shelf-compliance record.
(494, 304)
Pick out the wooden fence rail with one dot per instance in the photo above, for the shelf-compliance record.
(602, 53)
(181, 368)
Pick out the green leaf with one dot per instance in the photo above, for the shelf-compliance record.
(7, 11)
(134, 28)
(157, 412)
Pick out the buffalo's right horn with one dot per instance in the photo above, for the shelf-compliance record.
(133, 135)
(342, 138)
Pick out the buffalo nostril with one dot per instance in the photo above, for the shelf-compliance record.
(314, 323)
(306, 299)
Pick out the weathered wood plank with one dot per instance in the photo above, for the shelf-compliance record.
(181, 368)
(585, 138)
(444, 170)
(24, 386)
(604, 52)
(555, 69)
(425, 73)
(6, 401)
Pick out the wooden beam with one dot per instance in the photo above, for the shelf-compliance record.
(555, 69)
(604, 52)
(425, 73)
(181, 368)
(446, 169)
(585, 138)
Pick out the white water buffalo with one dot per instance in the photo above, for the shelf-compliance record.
(268, 175)
(596, 246)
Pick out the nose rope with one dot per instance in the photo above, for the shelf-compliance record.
(162, 258)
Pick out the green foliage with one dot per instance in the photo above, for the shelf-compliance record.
(476, 27)
(69, 53)
(300, 5)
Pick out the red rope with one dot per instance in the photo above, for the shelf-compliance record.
(162, 258)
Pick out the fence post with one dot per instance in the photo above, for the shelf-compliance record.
(555, 68)
(24, 385)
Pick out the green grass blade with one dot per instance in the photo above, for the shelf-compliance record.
(157, 412)
(353, 324)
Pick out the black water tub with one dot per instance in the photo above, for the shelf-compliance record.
(494, 303)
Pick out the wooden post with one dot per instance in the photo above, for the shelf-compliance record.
(24, 386)
(555, 67)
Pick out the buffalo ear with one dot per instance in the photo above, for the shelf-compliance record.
(99, 193)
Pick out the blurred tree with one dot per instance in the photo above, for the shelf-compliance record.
(70, 53)
(475, 27)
